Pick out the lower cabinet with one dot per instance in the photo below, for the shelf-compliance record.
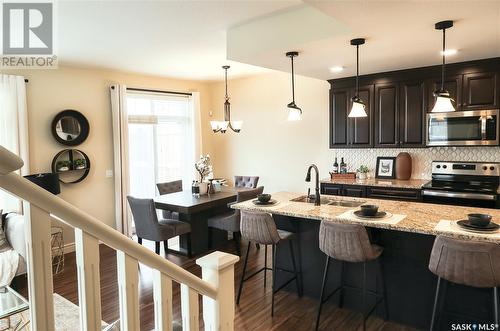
(394, 193)
(373, 192)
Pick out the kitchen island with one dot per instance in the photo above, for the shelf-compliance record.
(407, 246)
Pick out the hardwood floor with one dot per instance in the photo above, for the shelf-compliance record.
(253, 313)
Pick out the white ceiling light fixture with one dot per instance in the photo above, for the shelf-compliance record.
(443, 100)
(294, 112)
(358, 106)
(336, 69)
(222, 126)
(449, 52)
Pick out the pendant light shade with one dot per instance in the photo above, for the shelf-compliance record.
(294, 111)
(358, 106)
(443, 101)
(222, 126)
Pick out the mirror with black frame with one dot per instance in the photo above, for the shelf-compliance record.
(70, 127)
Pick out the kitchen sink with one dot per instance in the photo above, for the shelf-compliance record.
(330, 201)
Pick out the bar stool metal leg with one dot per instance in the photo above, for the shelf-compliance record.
(274, 279)
(364, 296)
(295, 272)
(265, 265)
(139, 240)
(243, 274)
(323, 285)
(157, 247)
(436, 299)
(382, 285)
(495, 304)
(342, 274)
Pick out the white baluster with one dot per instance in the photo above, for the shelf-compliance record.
(39, 264)
(190, 310)
(162, 296)
(128, 279)
(89, 287)
(218, 269)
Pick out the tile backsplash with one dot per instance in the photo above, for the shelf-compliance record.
(421, 157)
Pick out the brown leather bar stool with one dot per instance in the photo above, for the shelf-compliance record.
(470, 263)
(349, 243)
(260, 228)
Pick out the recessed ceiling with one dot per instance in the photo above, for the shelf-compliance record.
(399, 35)
(193, 39)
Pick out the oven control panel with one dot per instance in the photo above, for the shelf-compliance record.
(466, 168)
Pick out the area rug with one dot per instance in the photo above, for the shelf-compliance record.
(66, 313)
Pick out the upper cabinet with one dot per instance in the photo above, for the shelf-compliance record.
(480, 91)
(397, 102)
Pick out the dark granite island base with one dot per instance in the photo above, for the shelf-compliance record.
(409, 283)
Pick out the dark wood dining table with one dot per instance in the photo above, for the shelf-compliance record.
(196, 212)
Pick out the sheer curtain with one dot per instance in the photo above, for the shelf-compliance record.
(13, 128)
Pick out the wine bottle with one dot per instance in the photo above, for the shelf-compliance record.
(343, 167)
(335, 166)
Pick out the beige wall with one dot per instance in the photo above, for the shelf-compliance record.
(87, 90)
(269, 146)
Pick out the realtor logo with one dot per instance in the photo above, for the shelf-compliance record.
(28, 35)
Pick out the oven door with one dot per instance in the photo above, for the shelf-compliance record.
(461, 198)
(463, 128)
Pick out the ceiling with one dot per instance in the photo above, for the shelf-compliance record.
(193, 39)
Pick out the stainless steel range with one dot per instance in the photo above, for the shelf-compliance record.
(464, 184)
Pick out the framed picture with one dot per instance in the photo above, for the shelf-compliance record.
(386, 167)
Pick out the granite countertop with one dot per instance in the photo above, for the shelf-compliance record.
(420, 217)
(410, 183)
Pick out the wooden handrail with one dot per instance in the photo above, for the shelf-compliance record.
(71, 215)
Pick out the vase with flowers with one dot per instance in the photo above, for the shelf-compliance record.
(204, 168)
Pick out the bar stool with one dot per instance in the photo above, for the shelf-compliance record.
(470, 263)
(261, 229)
(349, 243)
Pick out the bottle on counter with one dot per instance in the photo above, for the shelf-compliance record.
(343, 166)
(335, 166)
(195, 189)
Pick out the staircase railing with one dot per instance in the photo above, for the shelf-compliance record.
(216, 285)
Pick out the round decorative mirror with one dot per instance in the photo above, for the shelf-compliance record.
(70, 127)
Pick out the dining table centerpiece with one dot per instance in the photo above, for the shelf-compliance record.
(204, 168)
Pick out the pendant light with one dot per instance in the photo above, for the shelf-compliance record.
(221, 126)
(294, 112)
(443, 101)
(358, 106)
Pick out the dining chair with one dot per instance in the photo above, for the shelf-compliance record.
(230, 221)
(147, 225)
(246, 181)
(166, 188)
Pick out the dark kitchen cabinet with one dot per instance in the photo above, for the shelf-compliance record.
(386, 115)
(359, 129)
(331, 189)
(412, 111)
(339, 109)
(480, 91)
(350, 132)
(354, 191)
(393, 193)
(453, 84)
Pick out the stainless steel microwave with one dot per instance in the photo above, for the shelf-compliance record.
(463, 128)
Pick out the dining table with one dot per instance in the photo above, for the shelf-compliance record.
(196, 211)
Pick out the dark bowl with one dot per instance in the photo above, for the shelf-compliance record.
(479, 219)
(264, 197)
(369, 210)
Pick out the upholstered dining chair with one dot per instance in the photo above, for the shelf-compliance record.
(147, 225)
(230, 221)
(166, 188)
(246, 181)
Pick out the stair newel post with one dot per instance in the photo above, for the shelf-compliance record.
(39, 265)
(218, 269)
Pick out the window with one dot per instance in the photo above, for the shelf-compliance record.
(161, 143)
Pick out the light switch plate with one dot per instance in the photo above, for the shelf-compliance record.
(109, 173)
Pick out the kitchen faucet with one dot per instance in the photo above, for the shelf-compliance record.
(317, 199)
